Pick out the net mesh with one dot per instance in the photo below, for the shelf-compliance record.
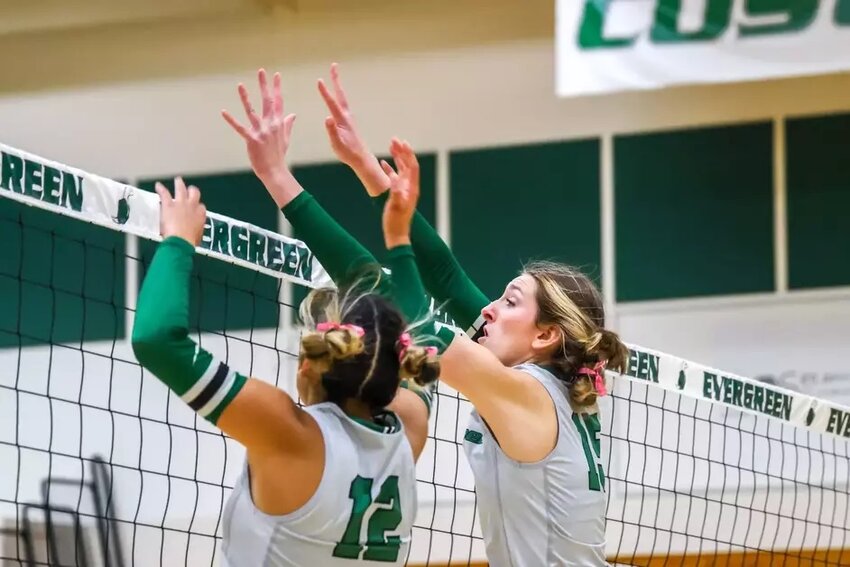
(101, 465)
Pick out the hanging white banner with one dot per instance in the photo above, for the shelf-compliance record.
(606, 46)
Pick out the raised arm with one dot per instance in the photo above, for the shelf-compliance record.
(442, 275)
(503, 396)
(258, 415)
(267, 139)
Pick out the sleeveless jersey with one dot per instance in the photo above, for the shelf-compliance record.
(548, 513)
(361, 514)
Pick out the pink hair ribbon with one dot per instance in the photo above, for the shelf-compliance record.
(597, 373)
(404, 342)
(330, 326)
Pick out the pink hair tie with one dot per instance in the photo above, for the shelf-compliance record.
(403, 343)
(330, 326)
(597, 374)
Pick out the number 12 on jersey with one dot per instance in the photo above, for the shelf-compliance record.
(379, 546)
(588, 429)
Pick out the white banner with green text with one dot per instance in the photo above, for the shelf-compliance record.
(605, 46)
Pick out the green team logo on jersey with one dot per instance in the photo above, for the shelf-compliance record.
(473, 436)
(747, 19)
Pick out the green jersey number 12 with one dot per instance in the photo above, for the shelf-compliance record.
(378, 546)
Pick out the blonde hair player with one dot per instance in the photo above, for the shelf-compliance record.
(332, 483)
(533, 372)
(533, 439)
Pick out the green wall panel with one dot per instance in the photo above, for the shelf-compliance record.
(340, 192)
(818, 189)
(694, 212)
(61, 280)
(226, 297)
(520, 203)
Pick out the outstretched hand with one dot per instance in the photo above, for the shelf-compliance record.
(347, 143)
(267, 136)
(183, 214)
(404, 194)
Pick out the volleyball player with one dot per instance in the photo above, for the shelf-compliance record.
(332, 483)
(534, 374)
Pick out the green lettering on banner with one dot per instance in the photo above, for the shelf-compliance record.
(633, 362)
(737, 388)
(743, 394)
(256, 248)
(748, 395)
(665, 28)
(708, 384)
(52, 184)
(842, 13)
(834, 417)
(32, 179)
(12, 173)
(72, 192)
(220, 238)
(305, 263)
(653, 367)
(591, 34)
(797, 15)
(275, 256)
(290, 256)
(727, 390)
(206, 238)
(839, 423)
(643, 366)
(239, 242)
(758, 399)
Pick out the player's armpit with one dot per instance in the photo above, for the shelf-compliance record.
(266, 419)
(413, 410)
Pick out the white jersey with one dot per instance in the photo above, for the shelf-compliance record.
(361, 514)
(547, 513)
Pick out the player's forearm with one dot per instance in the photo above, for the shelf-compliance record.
(341, 254)
(441, 273)
(161, 340)
(368, 170)
(282, 186)
(409, 295)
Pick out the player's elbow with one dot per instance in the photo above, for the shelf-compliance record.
(147, 349)
(150, 344)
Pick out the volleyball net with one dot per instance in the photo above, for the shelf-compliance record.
(101, 465)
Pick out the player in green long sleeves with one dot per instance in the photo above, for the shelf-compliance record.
(311, 473)
(533, 376)
(533, 373)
